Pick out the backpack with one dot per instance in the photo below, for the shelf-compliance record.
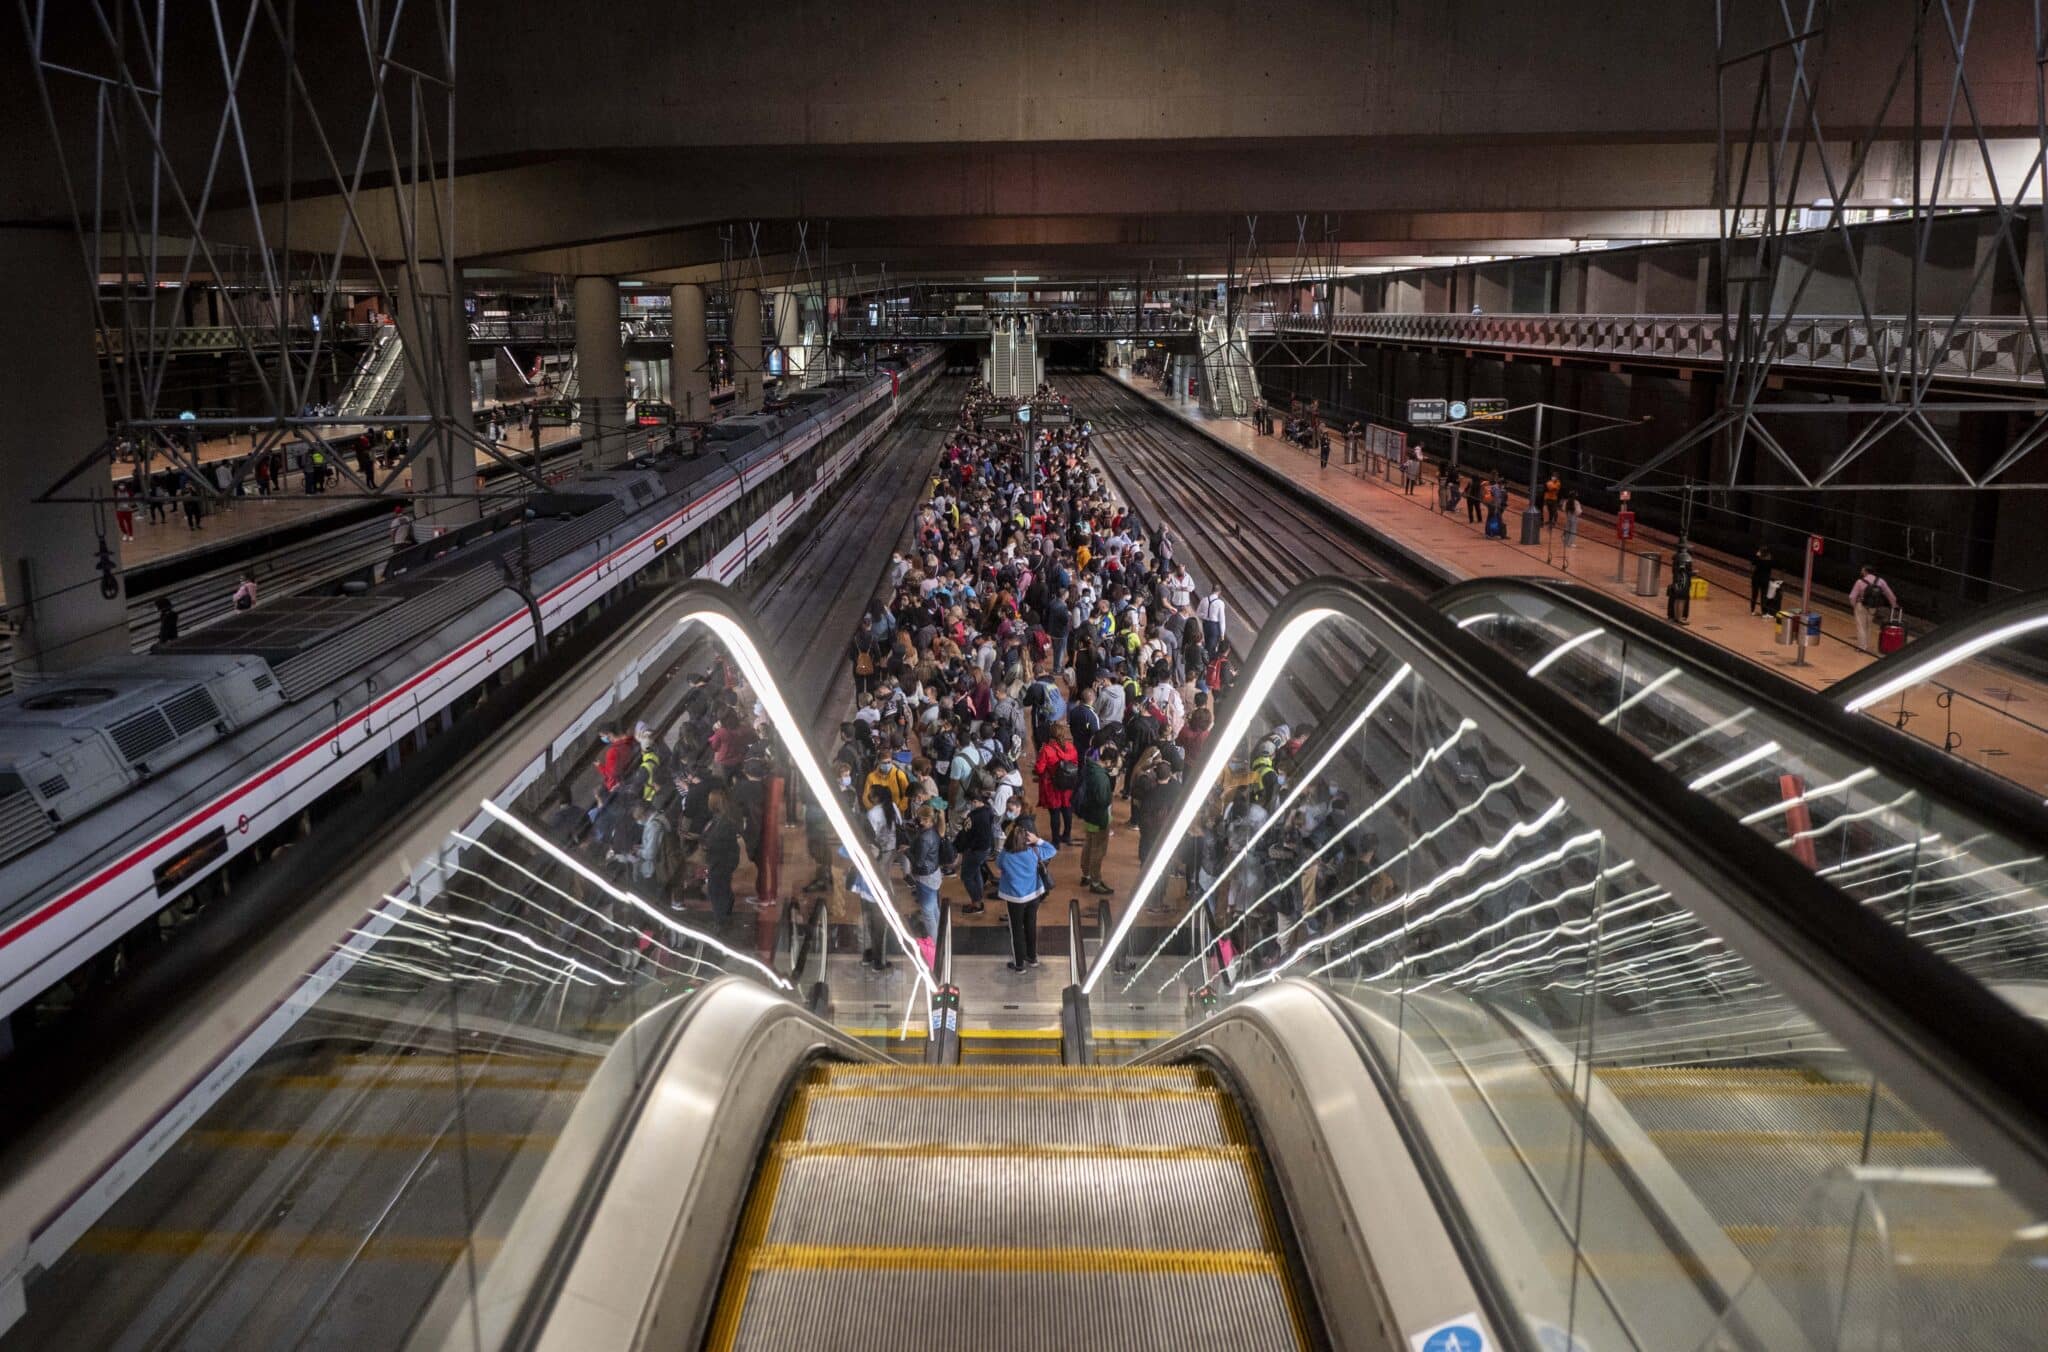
(864, 662)
(980, 780)
(1066, 775)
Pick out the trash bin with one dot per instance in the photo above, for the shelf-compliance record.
(1788, 624)
(1812, 626)
(1648, 564)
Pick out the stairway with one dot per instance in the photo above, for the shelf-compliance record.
(1009, 1209)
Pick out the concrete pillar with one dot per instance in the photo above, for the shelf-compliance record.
(689, 368)
(600, 370)
(435, 332)
(789, 336)
(747, 365)
(49, 551)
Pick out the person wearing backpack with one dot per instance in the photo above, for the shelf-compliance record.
(1059, 774)
(1092, 805)
(864, 662)
(925, 867)
(1862, 598)
(974, 842)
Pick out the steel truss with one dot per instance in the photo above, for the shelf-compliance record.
(1772, 158)
(153, 212)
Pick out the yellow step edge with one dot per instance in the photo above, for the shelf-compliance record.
(1238, 1154)
(830, 1070)
(1204, 1262)
(918, 1091)
(213, 1139)
(116, 1241)
(1911, 1140)
(415, 1082)
(1765, 1089)
(1710, 1072)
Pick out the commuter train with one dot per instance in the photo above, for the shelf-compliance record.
(124, 784)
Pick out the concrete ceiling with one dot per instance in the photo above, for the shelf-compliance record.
(1056, 138)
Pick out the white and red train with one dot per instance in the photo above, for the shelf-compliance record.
(126, 785)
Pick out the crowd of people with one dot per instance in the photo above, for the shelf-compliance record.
(1037, 661)
(1038, 674)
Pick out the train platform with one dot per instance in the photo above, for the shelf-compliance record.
(1988, 719)
(1459, 550)
(255, 514)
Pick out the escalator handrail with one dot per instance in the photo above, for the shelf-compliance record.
(592, 1202)
(148, 1080)
(1960, 1055)
(1076, 951)
(1950, 781)
(1345, 1225)
(1937, 650)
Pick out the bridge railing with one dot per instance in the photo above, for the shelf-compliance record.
(1990, 350)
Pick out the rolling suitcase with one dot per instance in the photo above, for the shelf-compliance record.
(1496, 528)
(1892, 636)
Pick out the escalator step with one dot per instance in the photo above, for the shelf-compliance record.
(1017, 1079)
(1192, 1117)
(1017, 1198)
(1014, 1309)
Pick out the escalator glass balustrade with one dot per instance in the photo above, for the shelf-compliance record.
(1657, 1126)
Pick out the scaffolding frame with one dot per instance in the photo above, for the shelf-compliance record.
(135, 189)
(1767, 160)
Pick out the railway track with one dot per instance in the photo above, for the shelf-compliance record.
(1234, 529)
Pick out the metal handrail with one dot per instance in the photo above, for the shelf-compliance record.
(1964, 1058)
(1076, 944)
(1951, 782)
(1982, 630)
(1077, 1025)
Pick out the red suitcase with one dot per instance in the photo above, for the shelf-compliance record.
(1892, 636)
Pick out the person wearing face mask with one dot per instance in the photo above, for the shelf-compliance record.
(975, 841)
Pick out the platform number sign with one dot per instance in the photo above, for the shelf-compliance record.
(1428, 410)
(1458, 1335)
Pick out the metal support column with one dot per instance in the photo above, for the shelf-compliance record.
(600, 370)
(57, 595)
(690, 364)
(435, 332)
(748, 367)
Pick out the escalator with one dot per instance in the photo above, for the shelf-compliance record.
(945, 1207)
(1505, 1025)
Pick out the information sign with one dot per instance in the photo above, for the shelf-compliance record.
(1428, 410)
(1486, 410)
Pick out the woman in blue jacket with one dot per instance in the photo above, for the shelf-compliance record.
(1022, 885)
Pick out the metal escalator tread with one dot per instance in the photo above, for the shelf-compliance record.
(1749, 1141)
(1009, 1209)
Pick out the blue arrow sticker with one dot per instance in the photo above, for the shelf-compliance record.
(1458, 1335)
